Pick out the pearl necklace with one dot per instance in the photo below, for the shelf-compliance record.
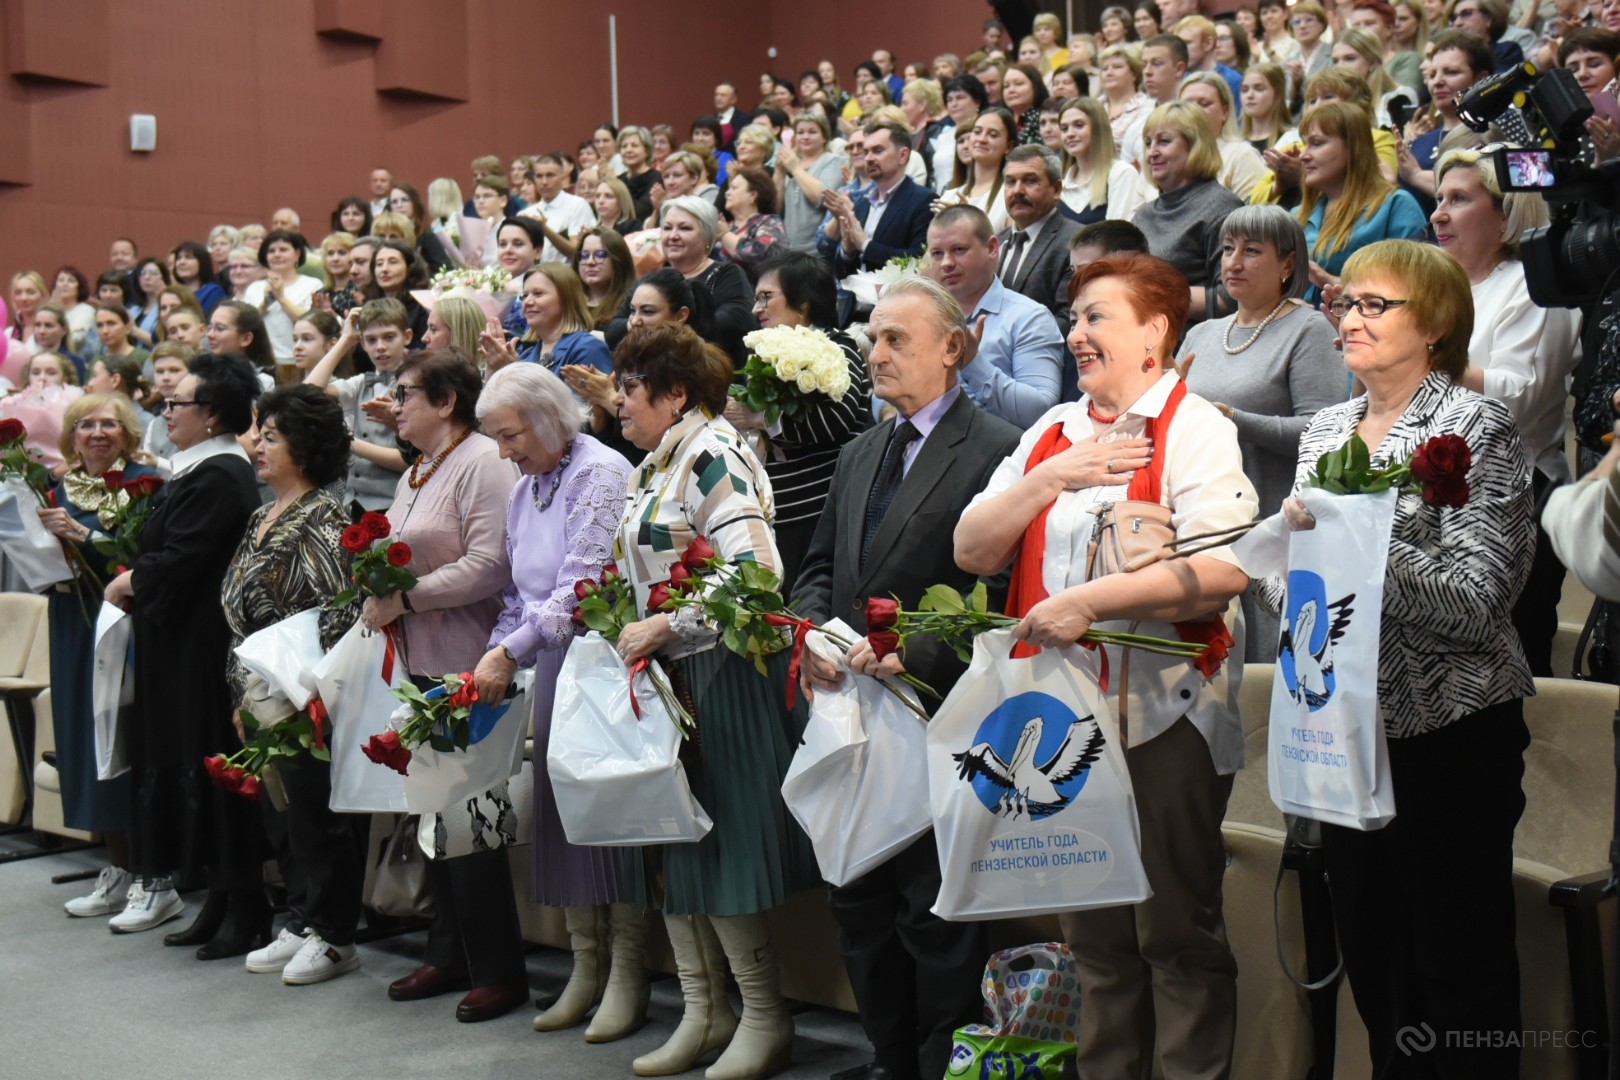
(1226, 339)
(556, 481)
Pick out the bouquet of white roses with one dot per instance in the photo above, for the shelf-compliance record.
(488, 287)
(788, 366)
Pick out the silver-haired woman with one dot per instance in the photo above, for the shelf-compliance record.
(1269, 366)
(560, 523)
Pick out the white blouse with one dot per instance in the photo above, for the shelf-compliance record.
(1204, 486)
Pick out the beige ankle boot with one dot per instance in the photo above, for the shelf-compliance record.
(624, 1004)
(764, 1039)
(587, 928)
(708, 1022)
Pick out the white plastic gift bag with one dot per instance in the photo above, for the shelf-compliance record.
(285, 654)
(35, 554)
(112, 689)
(1327, 757)
(618, 778)
(859, 783)
(1032, 803)
(353, 681)
(438, 781)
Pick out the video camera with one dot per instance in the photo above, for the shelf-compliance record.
(1567, 262)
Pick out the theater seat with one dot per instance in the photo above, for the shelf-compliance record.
(47, 784)
(25, 670)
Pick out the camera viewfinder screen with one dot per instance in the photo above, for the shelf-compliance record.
(1529, 169)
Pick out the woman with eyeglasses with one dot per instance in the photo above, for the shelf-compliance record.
(100, 432)
(450, 507)
(185, 826)
(797, 289)
(1452, 676)
(607, 270)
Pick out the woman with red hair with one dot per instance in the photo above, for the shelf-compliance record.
(1171, 461)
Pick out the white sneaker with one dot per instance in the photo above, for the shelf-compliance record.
(274, 956)
(147, 908)
(317, 961)
(110, 894)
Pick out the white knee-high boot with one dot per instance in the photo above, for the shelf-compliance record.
(624, 1004)
(764, 1039)
(707, 1023)
(587, 928)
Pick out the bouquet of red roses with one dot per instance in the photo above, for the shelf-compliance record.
(18, 462)
(1438, 470)
(607, 606)
(438, 719)
(251, 770)
(128, 517)
(378, 569)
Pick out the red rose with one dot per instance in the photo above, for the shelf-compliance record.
(250, 787)
(231, 778)
(114, 479)
(12, 431)
(698, 553)
(679, 575)
(466, 694)
(386, 749)
(657, 597)
(216, 767)
(376, 525)
(1442, 459)
(50, 498)
(610, 570)
(399, 553)
(881, 614)
(143, 486)
(583, 588)
(578, 618)
(1449, 493)
(355, 539)
(884, 642)
(317, 720)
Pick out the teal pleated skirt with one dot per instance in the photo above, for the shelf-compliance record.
(756, 855)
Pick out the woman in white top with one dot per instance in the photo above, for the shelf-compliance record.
(994, 135)
(1276, 42)
(1138, 435)
(1096, 184)
(1121, 76)
(1242, 167)
(1520, 353)
(284, 295)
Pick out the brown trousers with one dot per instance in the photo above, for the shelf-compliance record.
(1159, 974)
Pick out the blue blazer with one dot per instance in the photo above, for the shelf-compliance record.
(580, 347)
(902, 231)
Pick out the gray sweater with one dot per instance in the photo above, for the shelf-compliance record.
(1273, 388)
(1183, 227)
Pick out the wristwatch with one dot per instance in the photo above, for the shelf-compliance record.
(508, 653)
(405, 599)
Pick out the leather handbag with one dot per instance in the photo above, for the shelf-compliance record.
(396, 874)
(1127, 536)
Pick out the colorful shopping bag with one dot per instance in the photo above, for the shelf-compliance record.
(1032, 1002)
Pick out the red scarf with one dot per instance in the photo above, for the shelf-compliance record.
(1028, 588)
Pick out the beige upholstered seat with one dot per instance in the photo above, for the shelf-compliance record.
(47, 817)
(25, 670)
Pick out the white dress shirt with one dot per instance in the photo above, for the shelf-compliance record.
(1204, 487)
(567, 214)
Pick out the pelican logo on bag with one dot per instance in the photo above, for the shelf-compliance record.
(1310, 632)
(1031, 756)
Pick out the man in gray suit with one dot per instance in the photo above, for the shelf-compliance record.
(896, 495)
(1035, 245)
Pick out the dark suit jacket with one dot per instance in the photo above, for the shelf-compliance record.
(902, 231)
(914, 548)
(1044, 274)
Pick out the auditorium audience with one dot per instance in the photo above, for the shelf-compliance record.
(1097, 183)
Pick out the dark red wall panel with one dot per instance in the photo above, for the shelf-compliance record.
(57, 40)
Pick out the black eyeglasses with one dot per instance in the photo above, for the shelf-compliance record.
(622, 383)
(1370, 306)
(402, 393)
(174, 403)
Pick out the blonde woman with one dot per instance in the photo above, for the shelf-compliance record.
(1411, 30)
(1048, 33)
(1265, 105)
(454, 322)
(1096, 184)
(1120, 72)
(1242, 168)
(1359, 51)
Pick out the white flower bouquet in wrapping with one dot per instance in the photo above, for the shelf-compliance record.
(488, 287)
(788, 367)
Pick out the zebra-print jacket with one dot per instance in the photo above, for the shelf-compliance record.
(1447, 645)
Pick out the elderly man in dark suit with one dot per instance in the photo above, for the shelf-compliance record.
(896, 495)
(893, 220)
(1035, 245)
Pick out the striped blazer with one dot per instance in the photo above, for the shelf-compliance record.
(1447, 645)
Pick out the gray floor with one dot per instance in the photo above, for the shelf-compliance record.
(78, 1002)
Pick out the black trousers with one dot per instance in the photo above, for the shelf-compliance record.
(322, 853)
(1535, 613)
(1424, 907)
(915, 976)
(476, 922)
